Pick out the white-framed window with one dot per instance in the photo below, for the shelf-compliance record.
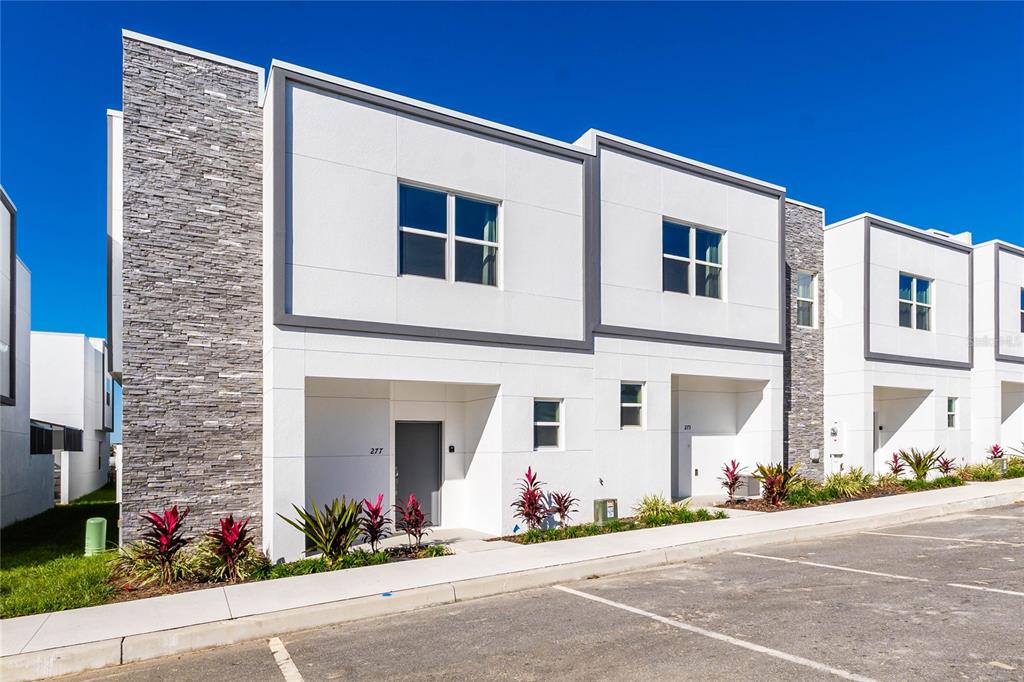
(915, 302)
(436, 226)
(631, 405)
(691, 259)
(547, 423)
(952, 416)
(806, 299)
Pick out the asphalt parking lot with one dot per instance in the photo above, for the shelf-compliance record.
(938, 600)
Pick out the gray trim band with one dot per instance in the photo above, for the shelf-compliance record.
(999, 355)
(910, 359)
(11, 399)
(688, 339)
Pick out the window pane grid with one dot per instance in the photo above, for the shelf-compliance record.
(915, 302)
(806, 299)
(547, 424)
(691, 260)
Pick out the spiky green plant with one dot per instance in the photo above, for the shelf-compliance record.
(775, 481)
(921, 462)
(330, 531)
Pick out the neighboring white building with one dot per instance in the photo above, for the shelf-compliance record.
(998, 376)
(898, 341)
(26, 479)
(72, 390)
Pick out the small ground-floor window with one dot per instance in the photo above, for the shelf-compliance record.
(547, 424)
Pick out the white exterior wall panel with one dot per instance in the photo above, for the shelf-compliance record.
(636, 196)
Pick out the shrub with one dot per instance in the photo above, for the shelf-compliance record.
(411, 521)
(431, 551)
(849, 484)
(375, 522)
(529, 503)
(775, 481)
(562, 505)
(652, 506)
(921, 462)
(138, 566)
(896, 466)
(887, 480)
(205, 564)
(805, 491)
(731, 478)
(945, 466)
(940, 482)
(164, 539)
(995, 452)
(330, 532)
(980, 472)
(1014, 468)
(231, 544)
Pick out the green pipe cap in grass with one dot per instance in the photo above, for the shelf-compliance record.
(95, 535)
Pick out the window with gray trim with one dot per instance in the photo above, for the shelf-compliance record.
(547, 423)
(691, 259)
(631, 405)
(435, 225)
(915, 302)
(1022, 310)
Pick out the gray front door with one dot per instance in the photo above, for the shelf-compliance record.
(418, 466)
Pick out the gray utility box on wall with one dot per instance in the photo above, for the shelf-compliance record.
(605, 510)
(751, 487)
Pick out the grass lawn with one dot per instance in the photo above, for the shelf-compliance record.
(42, 567)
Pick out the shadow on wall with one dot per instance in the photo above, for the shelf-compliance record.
(901, 419)
(1012, 402)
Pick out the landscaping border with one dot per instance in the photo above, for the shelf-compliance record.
(33, 651)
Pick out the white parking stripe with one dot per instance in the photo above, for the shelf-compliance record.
(820, 667)
(284, 661)
(835, 568)
(933, 537)
(986, 589)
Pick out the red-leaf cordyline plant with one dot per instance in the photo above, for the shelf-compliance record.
(232, 543)
(945, 465)
(375, 522)
(775, 480)
(896, 465)
(562, 505)
(411, 520)
(529, 503)
(164, 538)
(996, 452)
(731, 478)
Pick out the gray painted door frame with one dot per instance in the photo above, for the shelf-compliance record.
(423, 436)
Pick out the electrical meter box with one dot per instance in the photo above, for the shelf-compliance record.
(605, 510)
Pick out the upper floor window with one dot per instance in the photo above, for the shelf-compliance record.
(806, 299)
(631, 397)
(1022, 309)
(915, 302)
(691, 260)
(547, 424)
(426, 220)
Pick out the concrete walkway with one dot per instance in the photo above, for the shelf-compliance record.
(39, 646)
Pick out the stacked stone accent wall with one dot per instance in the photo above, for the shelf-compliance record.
(804, 363)
(192, 383)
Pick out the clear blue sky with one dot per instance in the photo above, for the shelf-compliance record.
(913, 111)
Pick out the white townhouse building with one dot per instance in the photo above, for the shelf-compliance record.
(26, 479)
(327, 289)
(72, 410)
(998, 377)
(910, 353)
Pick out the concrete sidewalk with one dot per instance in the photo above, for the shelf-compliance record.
(69, 641)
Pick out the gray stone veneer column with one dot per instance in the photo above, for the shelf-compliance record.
(192, 391)
(804, 363)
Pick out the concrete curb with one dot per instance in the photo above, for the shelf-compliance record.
(69, 659)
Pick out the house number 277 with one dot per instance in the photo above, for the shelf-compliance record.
(376, 451)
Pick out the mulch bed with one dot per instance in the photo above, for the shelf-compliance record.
(123, 594)
(757, 504)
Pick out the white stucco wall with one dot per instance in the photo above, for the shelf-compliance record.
(345, 162)
(26, 480)
(115, 235)
(636, 195)
(67, 385)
